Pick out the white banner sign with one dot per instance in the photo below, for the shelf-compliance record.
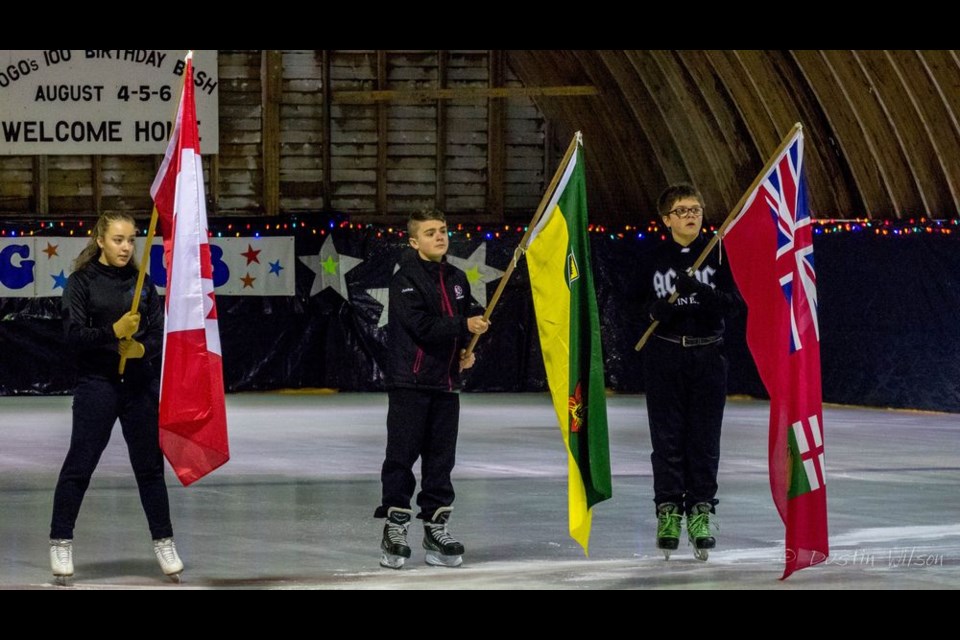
(37, 267)
(101, 101)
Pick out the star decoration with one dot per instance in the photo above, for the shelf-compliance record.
(275, 267)
(383, 297)
(330, 269)
(51, 250)
(252, 255)
(479, 273)
(248, 280)
(59, 280)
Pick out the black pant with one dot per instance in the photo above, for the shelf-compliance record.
(420, 424)
(686, 393)
(97, 403)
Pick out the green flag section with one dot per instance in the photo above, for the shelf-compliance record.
(558, 259)
(803, 460)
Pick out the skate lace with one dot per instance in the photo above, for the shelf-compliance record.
(397, 533)
(62, 552)
(167, 551)
(440, 534)
(698, 525)
(668, 525)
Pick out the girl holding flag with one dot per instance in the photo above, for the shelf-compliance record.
(100, 328)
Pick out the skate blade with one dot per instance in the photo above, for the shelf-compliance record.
(175, 577)
(439, 560)
(62, 581)
(701, 554)
(391, 561)
(666, 547)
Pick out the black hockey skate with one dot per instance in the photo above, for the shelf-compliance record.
(443, 550)
(393, 547)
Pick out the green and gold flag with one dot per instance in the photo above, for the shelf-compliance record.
(558, 259)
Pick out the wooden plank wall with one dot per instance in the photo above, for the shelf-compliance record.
(466, 169)
(353, 133)
(375, 161)
(301, 132)
(524, 167)
(411, 153)
(16, 183)
(240, 184)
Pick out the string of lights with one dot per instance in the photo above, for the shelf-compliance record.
(221, 227)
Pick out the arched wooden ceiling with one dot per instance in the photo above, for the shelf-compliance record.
(882, 127)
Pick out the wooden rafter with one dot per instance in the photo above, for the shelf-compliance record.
(461, 93)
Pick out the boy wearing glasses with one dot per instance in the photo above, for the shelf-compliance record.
(685, 370)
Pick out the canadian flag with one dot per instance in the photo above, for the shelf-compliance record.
(193, 420)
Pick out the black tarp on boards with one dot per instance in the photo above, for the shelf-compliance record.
(888, 310)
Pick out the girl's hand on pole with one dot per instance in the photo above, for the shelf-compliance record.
(127, 325)
(131, 349)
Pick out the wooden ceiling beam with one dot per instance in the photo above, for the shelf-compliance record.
(459, 93)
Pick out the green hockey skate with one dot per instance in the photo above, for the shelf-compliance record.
(698, 530)
(668, 528)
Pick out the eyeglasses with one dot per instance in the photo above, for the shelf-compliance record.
(687, 212)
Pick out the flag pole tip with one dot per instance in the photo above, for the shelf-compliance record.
(189, 55)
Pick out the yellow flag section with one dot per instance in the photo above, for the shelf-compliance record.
(558, 259)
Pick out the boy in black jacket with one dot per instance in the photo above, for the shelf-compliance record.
(685, 370)
(429, 323)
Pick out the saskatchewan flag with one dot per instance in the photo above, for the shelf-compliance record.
(558, 259)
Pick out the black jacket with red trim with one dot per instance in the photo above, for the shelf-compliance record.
(429, 306)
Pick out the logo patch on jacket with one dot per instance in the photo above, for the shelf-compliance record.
(407, 290)
(458, 291)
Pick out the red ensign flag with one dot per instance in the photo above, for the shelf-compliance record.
(770, 247)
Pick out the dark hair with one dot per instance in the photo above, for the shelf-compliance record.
(92, 251)
(422, 216)
(676, 192)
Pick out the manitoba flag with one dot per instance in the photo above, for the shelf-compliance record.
(770, 246)
(193, 421)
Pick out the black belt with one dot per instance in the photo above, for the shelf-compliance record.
(691, 341)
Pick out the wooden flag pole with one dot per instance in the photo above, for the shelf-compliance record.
(151, 231)
(726, 223)
(522, 247)
(142, 274)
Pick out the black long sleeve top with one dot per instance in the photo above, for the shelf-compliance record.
(95, 297)
(694, 316)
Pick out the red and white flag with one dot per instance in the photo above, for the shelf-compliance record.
(770, 247)
(164, 187)
(193, 420)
